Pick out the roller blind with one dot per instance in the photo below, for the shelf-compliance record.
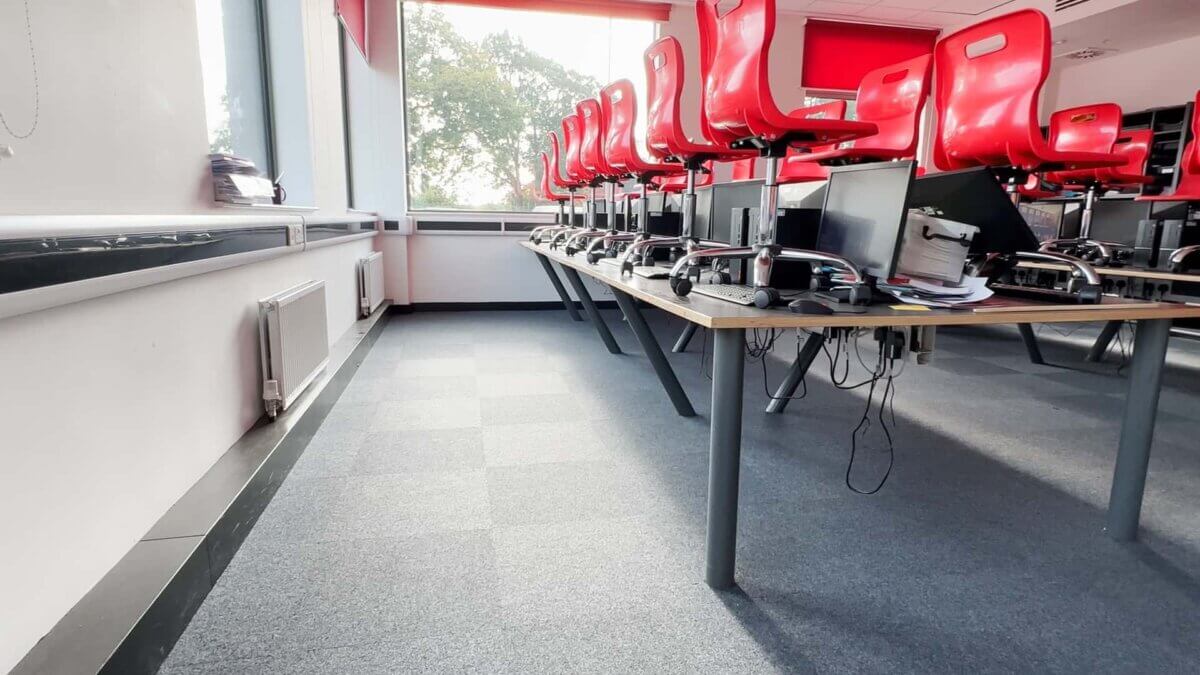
(837, 54)
(620, 9)
(353, 14)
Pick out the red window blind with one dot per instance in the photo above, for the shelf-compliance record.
(837, 55)
(353, 14)
(621, 9)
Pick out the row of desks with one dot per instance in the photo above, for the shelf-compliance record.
(729, 323)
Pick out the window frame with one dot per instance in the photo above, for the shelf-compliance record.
(264, 67)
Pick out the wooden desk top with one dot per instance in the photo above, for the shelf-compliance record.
(713, 313)
(1128, 272)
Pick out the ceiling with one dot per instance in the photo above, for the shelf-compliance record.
(935, 13)
(1129, 27)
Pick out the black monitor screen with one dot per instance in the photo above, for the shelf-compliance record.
(1117, 220)
(974, 197)
(866, 207)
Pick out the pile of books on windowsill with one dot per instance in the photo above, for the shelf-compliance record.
(237, 181)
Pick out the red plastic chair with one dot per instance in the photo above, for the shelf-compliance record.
(988, 80)
(741, 113)
(678, 184)
(798, 166)
(1134, 146)
(738, 104)
(556, 173)
(667, 140)
(573, 137)
(1034, 189)
(893, 99)
(1188, 189)
(1087, 128)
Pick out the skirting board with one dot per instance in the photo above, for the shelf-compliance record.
(131, 619)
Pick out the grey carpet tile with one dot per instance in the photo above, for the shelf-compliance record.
(568, 491)
(458, 412)
(411, 388)
(293, 598)
(436, 367)
(523, 383)
(546, 442)
(414, 452)
(514, 528)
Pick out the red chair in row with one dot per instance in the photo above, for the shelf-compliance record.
(1188, 187)
(667, 141)
(988, 79)
(552, 173)
(619, 103)
(741, 113)
(593, 160)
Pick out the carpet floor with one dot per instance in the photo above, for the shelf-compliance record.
(494, 492)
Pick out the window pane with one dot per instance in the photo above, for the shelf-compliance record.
(483, 87)
(235, 102)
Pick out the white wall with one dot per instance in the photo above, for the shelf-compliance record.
(111, 408)
(474, 268)
(1145, 78)
(121, 118)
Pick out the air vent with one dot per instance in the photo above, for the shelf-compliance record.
(1087, 53)
(1060, 5)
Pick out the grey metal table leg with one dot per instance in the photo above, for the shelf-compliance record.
(593, 313)
(649, 343)
(1100, 347)
(1137, 429)
(568, 303)
(1031, 343)
(685, 338)
(795, 375)
(724, 456)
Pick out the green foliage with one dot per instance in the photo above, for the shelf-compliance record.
(479, 106)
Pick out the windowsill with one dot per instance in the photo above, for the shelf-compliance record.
(283, 208)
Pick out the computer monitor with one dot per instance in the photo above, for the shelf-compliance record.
(715, 205)
(974, 197)
(866, 208)
(1044, 218)
(1116, 220)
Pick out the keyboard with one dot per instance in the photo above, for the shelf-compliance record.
(742, 295)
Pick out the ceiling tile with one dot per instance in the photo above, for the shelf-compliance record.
(938, 19)
(969, 6)
(883, 13)
(835, 7)
(912, 4)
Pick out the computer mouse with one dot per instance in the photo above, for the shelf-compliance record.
(805, 306)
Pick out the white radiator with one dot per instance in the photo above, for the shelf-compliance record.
(370, 283)
(294, 340)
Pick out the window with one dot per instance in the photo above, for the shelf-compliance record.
(483, 87)
(233, 62)
(851, 104)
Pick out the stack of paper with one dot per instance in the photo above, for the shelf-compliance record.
(237, 181)
(934, 294)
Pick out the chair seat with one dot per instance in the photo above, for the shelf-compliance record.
(1052, 160)
(851, 154)
(803, 131)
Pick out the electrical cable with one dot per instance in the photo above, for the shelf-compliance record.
(883, 371)
(37, 97)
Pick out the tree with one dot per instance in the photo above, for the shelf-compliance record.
(483, 106)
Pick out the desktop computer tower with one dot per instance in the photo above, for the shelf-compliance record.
(796, 228)
(1147, 243)
(666, 224)
(1176, 234)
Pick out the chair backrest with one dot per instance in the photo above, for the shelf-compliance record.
(733, 66)
(554, 167)
(893, 98)
(1134, 146)
(573, 137)
(988, 80)
(665, 137)
(591, 149)
(743, 169)
(618, 102)
(1086, 128)
(547, 192)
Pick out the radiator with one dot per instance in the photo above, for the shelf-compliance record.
(294, 340)
(370, 283)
